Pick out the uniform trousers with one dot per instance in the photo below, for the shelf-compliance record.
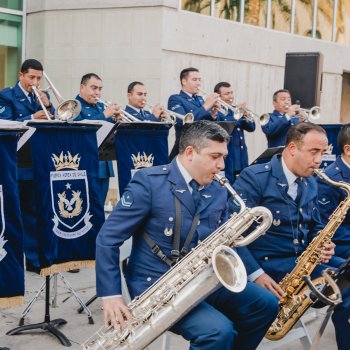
(227, 320)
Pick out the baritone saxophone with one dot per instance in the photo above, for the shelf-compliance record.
(209, 265)
(300, 291)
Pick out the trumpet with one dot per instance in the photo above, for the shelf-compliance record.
(126, 117)
(165, 116)
(186, 119)
(312, 114)
(66, 110)
(237, 110)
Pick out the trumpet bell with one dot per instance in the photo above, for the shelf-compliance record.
(229, 268)
(314, 113)
(264, 119)
(68, 110)
(188, 118)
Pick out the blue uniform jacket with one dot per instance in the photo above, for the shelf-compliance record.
(147, 115)
(182, 103)
(277, 128)
(14, 105)
(266, 185)
(329, 197)
(148, 204)
(237, 149)
(95, 112)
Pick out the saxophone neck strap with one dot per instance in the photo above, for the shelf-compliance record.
(176, 254)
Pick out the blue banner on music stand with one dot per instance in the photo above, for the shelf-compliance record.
(11, 230)
(139, 148)
(333, 151)
(66, 181)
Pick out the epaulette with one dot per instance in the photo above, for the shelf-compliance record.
(157, 170)
(260, 168)
(333, 170)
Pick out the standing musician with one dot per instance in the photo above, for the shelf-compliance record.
(284, 116)
(137, 101)
(89, 95)
(330, 196)
(285, 185)
(224, 320)
(188, 101)
(19, 102)
(237, 158)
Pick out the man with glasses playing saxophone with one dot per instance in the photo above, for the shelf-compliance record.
(147, 211)
(237, 158)
(285, 185)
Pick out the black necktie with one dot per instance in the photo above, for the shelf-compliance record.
(195, 193)
(142, 114)
(300, 184)
(32, 99)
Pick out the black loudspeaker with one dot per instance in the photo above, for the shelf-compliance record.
(303, 77)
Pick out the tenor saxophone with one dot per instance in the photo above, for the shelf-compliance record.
(297, 284)
(202, 271)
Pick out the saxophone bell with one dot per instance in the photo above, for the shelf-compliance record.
(229, 268)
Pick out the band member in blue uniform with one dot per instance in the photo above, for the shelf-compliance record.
(285, 185)
(147, 211)
(89, 95)
(137, 101)
(284, 116)
(20, 103)
(188, 101)
(237, 158)
(330, 196)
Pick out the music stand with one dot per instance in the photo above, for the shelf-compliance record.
(267, 155)
(227, 125)
(48, 324)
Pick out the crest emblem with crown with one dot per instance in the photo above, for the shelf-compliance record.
(69, 196)
(142, 160)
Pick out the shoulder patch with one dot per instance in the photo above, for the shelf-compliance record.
(2, 109)
(127, 199)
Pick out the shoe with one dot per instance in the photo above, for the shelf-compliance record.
(74, 271)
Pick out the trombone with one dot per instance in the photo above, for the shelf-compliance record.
(66, 110)
(126, 117)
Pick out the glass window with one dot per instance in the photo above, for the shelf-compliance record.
(303, 17)
(227, 9)
(199, 6)
(324, 19)
(12, 4)
(10, 48)
(280, 15)
(342, 32)
(255, 12)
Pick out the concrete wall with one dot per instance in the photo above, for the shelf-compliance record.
(151, 41)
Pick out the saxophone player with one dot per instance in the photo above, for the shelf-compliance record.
(285, 185)
(147, 211)
(330, 196)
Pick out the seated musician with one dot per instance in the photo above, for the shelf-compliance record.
(284, 116)
(188, 101)
(92, 108)
(285, 185)
(19, 102)
(147, 211)
(237, 158)
(137, 101)
(330, 196)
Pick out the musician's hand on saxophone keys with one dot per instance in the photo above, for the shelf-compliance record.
(115, 312)
(267, 282)
(327, 252)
